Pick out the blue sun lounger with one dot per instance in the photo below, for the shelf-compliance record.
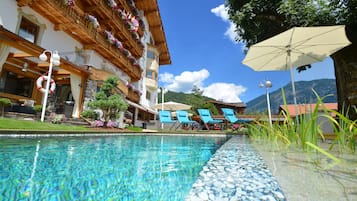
(165, 118)
(232, 118)
(207, 119)
(183, 119)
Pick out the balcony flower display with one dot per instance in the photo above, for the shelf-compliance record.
(136, 63)
(118, 44)
(138, 92)
(129, 85)
(134, 24)
(131, 3)
(110, 37)
(136, 35)
(94, 21)
(122, 14)
(132, 59)
(113, 5)
(69, 2)
(126, 52)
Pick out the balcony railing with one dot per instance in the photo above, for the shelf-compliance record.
(123, 28)
(133, 96)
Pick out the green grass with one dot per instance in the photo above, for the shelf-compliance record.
(307, 134)
(14, 124)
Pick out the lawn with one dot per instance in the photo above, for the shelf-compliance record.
(14, 124)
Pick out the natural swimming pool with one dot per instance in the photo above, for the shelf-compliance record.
(128, 167)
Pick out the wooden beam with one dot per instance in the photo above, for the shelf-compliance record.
(21, 54)
(62, 27)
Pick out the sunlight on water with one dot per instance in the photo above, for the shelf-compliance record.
(103, 168)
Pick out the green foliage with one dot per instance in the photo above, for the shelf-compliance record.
(111, 104)
(91, 114)
(257, 20)
(306, 132)
(37, 108)
(3, 103)
(195, 100)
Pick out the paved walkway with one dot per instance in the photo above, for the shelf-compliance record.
(301, 179)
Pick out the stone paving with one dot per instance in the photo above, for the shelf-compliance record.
(236, 172)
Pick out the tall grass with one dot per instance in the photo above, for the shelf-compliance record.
(305, 130)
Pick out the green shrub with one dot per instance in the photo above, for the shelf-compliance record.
(91, 114)
(37, 108)
(3, 103)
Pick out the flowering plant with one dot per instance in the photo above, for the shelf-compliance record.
(98, 123)
(94, 21)
(110, 37)
(111, 124)
(118, 44)
(112, 4)
(69, 2)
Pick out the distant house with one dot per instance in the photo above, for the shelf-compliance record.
(305, 108)
(237, 107)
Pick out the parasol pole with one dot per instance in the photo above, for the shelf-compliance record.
(293, 87)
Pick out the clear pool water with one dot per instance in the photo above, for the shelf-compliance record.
(103, 168)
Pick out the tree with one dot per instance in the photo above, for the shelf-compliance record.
(196, 91)
(257, 20)
(111, 104)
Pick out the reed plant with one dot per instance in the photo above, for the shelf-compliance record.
(305, 130)
(344, 128)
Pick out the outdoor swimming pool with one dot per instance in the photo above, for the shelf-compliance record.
(129, 167)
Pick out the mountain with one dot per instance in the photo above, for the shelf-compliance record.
(304, 94)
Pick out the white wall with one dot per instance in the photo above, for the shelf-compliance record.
(8, 14)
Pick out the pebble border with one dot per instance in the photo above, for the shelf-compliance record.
(236, 172)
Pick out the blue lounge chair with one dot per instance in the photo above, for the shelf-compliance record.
(232, 118)
(207, 119)
(183, 119)
(165, 118)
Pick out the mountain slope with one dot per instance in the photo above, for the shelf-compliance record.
(304, 94)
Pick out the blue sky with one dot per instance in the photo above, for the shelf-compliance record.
(204, 53)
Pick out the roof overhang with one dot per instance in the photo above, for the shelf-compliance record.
(152, 14)
(33, 50)
(141, 107)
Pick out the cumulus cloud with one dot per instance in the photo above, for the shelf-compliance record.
(221, 12)
(184, 82)
(166, 77)
(228, 92)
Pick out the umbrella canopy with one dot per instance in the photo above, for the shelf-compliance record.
(296, 47)
(172, 106)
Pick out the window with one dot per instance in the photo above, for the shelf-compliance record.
(29, 30)
(151, 54)
(149, 74)
(148, 95)
(16, 84)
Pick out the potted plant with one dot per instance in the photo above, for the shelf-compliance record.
(3, 103)
(37, 109)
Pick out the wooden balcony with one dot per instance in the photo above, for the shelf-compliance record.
(114, 55)
(133, 96)
(110, 19)
(75, 23)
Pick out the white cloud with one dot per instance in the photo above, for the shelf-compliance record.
(228, 92)
(166, 77)
(184, 82)
(221, 12)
